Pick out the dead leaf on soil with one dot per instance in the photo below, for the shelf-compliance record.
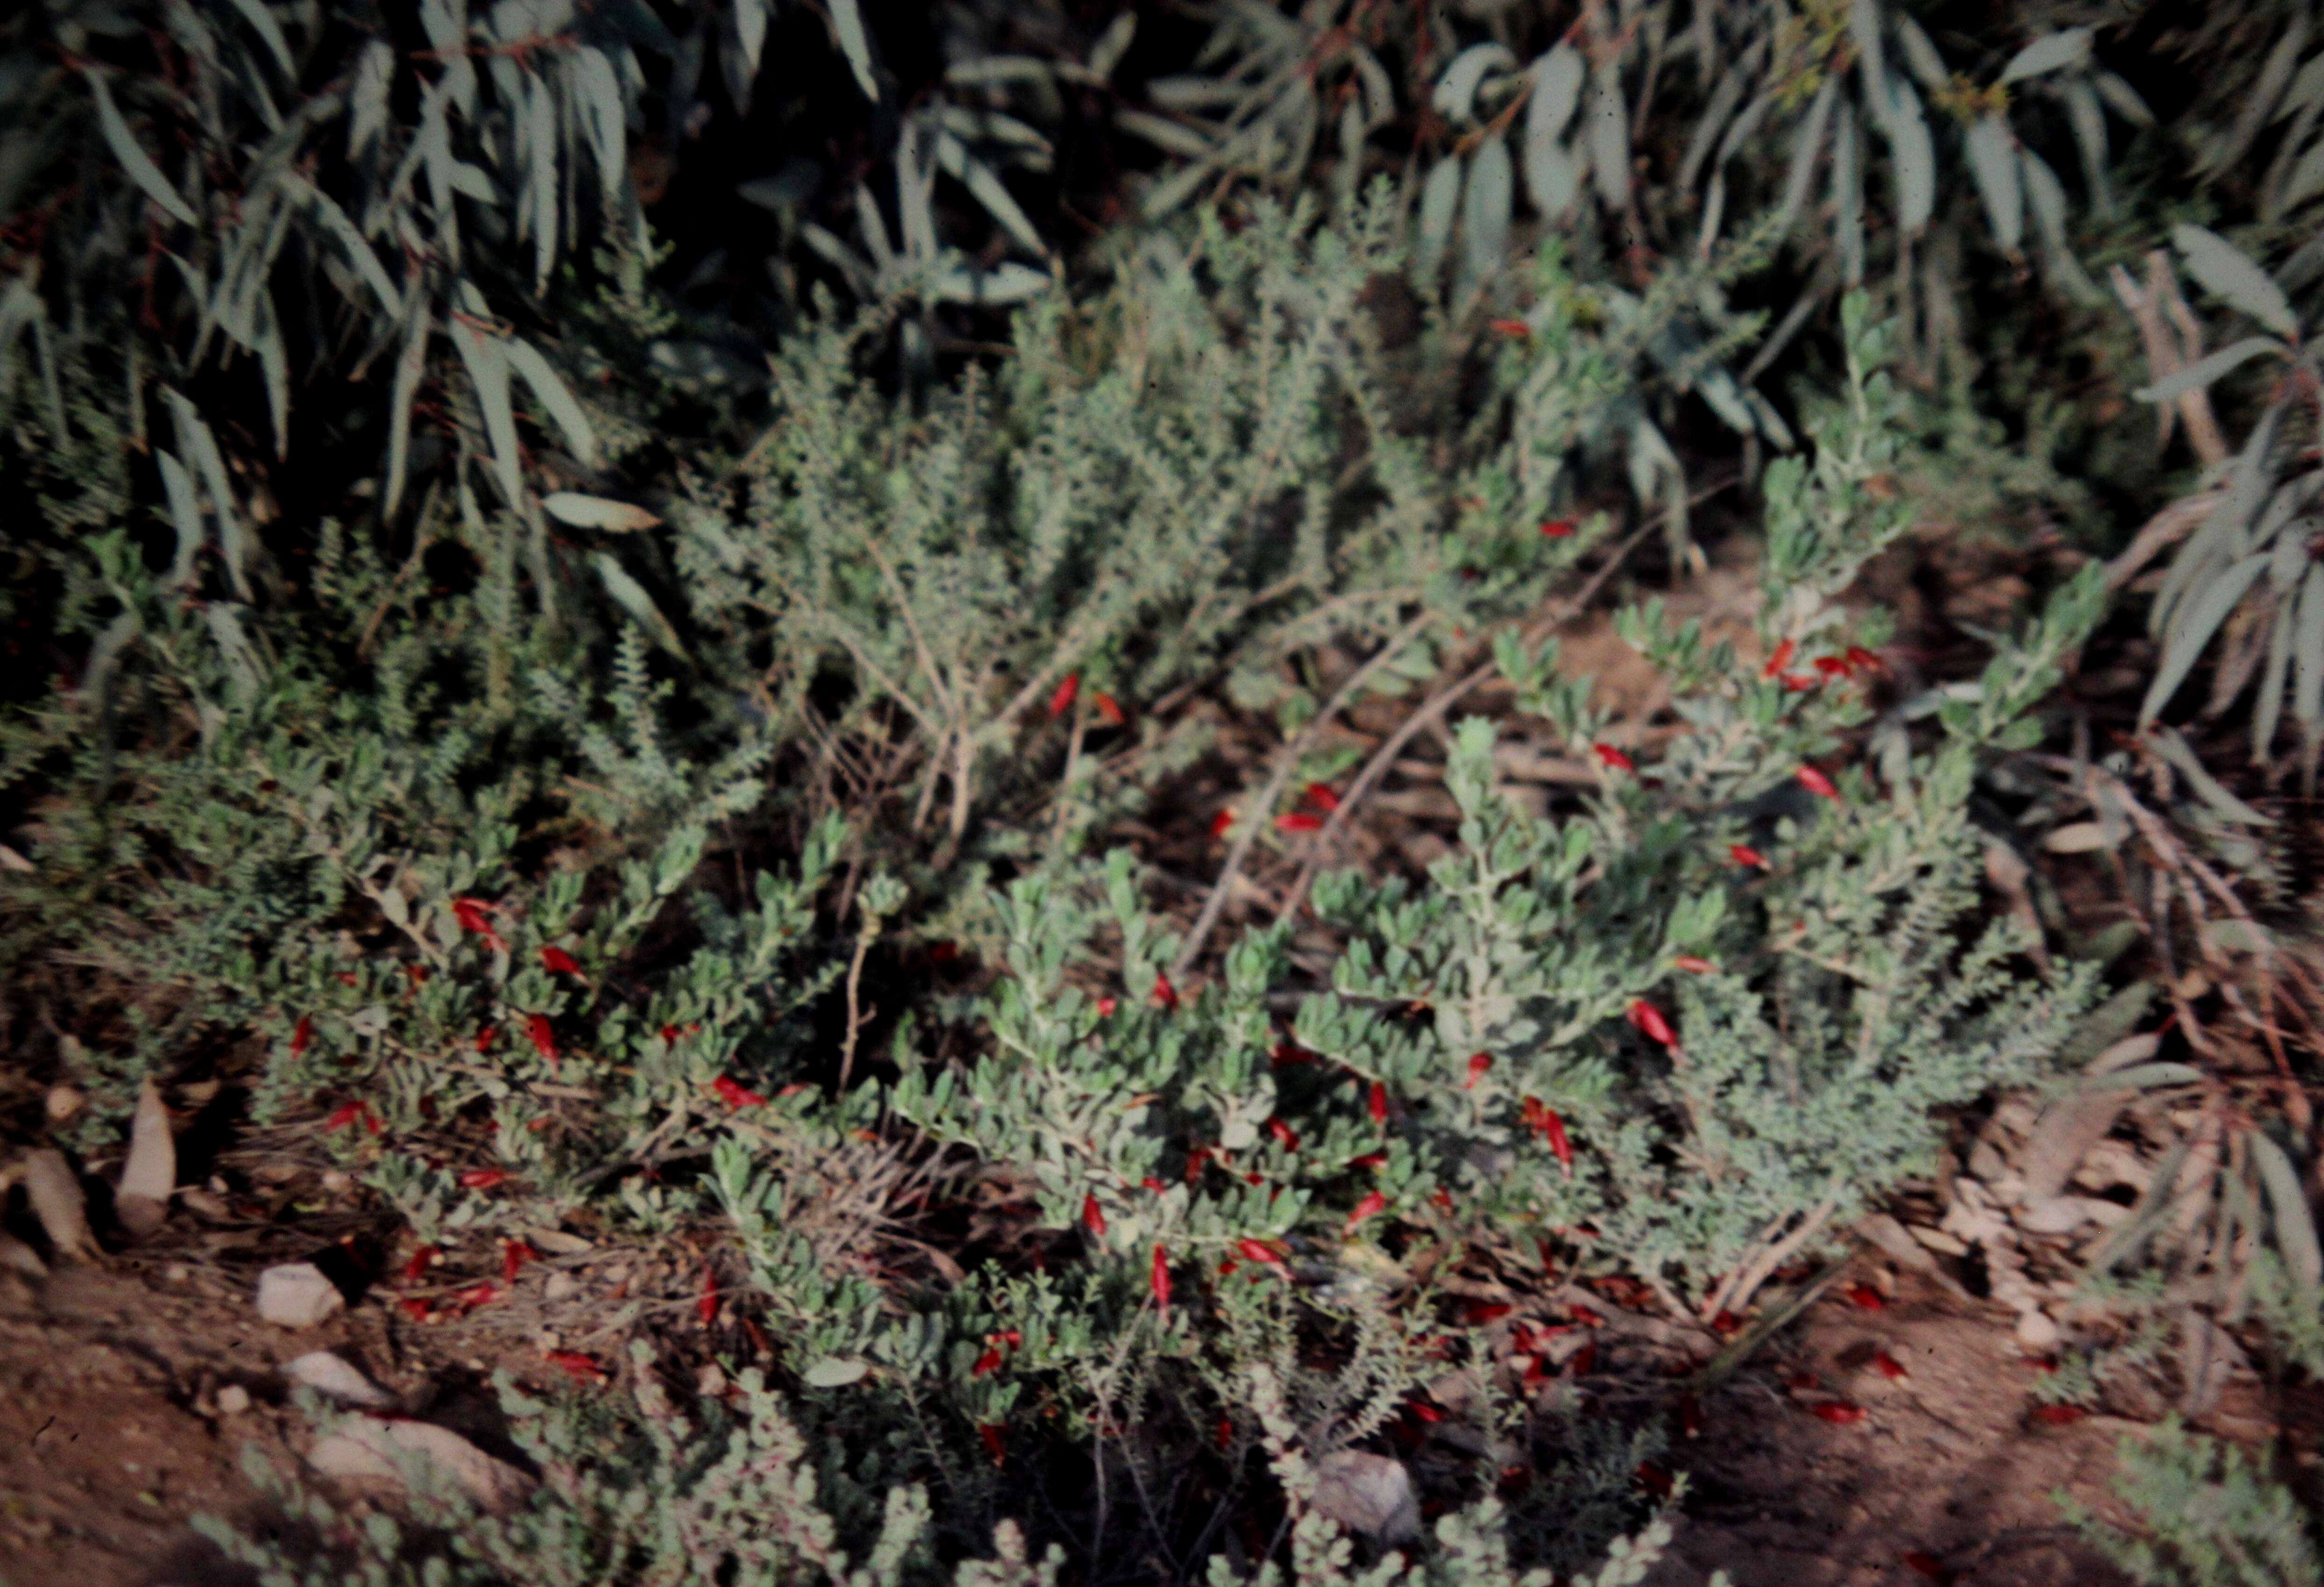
(141, 1194)
(57, 1201)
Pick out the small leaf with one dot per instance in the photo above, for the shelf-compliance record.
(527, 362)
(2205, 370)
(1993, 160)
(847, 22)
(2221, 267)
(1440, 200)
(2295, 1225)
(1489, 195)
(2193, 629)
(409, 367)
(367, 102)
(2050, 52)
(633, 599)
(1455, 97)
(597, 513)
(132, 156)
(1113, 44)
(836, 1371)
(980, 179)
(488, 373)
(1006, 283)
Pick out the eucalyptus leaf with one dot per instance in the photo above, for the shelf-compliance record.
(2193, 629)
(2225, 270)
(632, 598)
(2069, 47)
(2206, 369)
(132, 155)
(1992, 161)
(847, 22)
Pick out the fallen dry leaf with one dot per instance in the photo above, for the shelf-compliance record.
(58, 1202)
(141, 1194)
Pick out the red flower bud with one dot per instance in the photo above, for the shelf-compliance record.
(1298, 821)
(1694, 966)
(544, 1036)
(1158, 1280)
(1322, 798)
(1558, 528)
(734, 1096)
(1781, 658)
(1371, 1205)
(1284, 1135)
(1744, 854)
(1817, 783)
(557, 961)
(301, 1034)
(1165, 994)
(482, 1178)
(1837, 1412)
(1062, 701)
(1093, 1216)
(1109, 708)
(1650, 1020)
(1377, 1103)
(1613, 758)
(1478, 1063)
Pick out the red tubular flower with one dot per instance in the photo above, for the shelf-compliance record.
(1371, 1207)
(1290, 1054)
(1888, 1365)
(1781, 658)
(1258, 1250)
(514, 1254)
(474, 1295)
(1377, 1103)
(544, 1036)
(1558, 528)
(1093, 1216)
(482, 1178)
(1478, 1063)
(1224, 1434)
(1511, 328)
(418, 1310)
(707, 1306)
(487, 1037)
(1612, 758)
(1221, 821)
(1694, 966)
(1298, 821)
(420, 1262)
(1860, 658)
(1063, 700)
(1656, 1481)
(470, 913)
(2058, 1415)
(1105, 1008)
(1553, 1130)
(996, 1440)
(1108, 707)
(1817, 783)
(1864, 1298)
(301, 1034)
(1165, 994)
(557, 961)
(1322, 798)
(989, 1362)
(1744, 854)
(1374, 1160)
(1799, 683)
(734, 1096)
(1154, 1184)
(1837, 1412)
(1285, 1137)
(1832, 665)
(1442, 1200)
(1158, 1280)
(573, 1363)
(1650, 1020)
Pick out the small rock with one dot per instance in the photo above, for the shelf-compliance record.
(297, 1294)
(337, 1181)
(711, 1381)
(1985, 1163)
(367, 1449)
(176, 1273)
(233, 1400)
(2053, 1214)
(63, 1102)
(334, 1378)
(1895, 1240)
(561, 1286)
(2036, 1330)
(1369, 1493)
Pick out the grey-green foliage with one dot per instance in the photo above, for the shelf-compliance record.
(2247, 587)
(1822, 1007)
(1218, 461)
(1781, 112)
(733, 1499)
(2207, 1516)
